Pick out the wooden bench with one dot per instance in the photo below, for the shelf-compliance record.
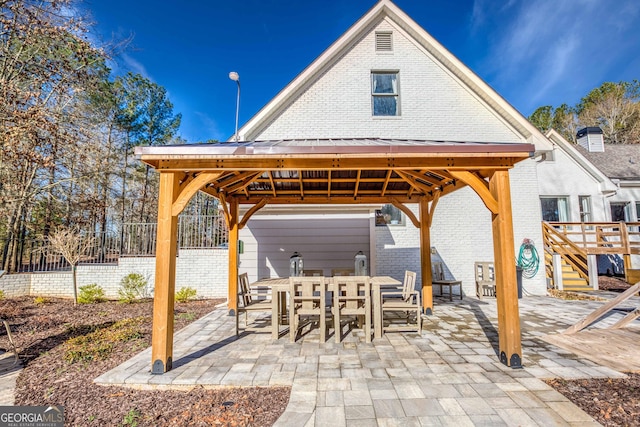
(485, 279)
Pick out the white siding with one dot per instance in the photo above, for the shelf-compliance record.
(433, 104)
(565, 177)
(324, 241)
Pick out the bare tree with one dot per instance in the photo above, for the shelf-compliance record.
(73, 246)
(45, 64)
(615, 108)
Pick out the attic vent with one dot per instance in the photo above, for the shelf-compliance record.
(383, 42)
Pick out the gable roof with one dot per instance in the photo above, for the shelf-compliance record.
(618, 161)
(574, 151)
(381, 10)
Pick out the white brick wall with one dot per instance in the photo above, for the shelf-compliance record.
(461, 232)
(326, 241)
(433, 104)
(14, 285)
(205, 270)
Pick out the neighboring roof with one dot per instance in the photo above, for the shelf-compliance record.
(386, 9)
(618, 161)
(572, 151)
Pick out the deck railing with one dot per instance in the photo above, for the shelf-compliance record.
(570, 252)
(601, 238)
(575, 240)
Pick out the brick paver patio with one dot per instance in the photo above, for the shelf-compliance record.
(449, 375)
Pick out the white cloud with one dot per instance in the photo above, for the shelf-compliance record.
(209, 127)
(549, 51)
(135, 66)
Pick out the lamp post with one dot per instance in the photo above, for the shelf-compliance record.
(236, 78)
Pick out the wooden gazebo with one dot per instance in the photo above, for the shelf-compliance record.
(334, 171)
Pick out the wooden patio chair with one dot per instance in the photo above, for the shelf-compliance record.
(307, 299)
(438, 278)
(485, 279)
(343, 272)
(352, 298)
(313, 273)
(408, 303)
(251, 301)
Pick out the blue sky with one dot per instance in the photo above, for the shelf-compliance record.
(532, 52)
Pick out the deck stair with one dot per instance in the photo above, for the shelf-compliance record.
(571, 280)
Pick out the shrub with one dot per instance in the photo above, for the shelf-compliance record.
(185, 294)
(131, 419)
(90, 294)
(40, 300)
(1, 294)
(133, 286)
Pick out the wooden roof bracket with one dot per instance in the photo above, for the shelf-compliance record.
(255, 208)
(406, 211)
(190, 189)
(480, 186)
(225, 209)
(432, 207)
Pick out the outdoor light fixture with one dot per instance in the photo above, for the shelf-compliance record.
(236, 78)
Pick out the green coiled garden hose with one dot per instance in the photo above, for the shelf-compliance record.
(528, 259)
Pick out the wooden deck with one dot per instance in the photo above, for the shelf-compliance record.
(618, 349)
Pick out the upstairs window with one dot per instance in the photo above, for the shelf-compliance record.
(384, 93)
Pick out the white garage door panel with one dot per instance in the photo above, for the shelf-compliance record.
(324, 244)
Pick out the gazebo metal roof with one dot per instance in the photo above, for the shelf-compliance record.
(361, 170)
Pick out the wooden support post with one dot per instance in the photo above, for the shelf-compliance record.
(558, 280)
(165, 280)
(592, 267)
(626, 259)
(506, 286)
(425, 257)
(234, 229)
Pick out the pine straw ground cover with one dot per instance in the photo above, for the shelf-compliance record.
(63, 348)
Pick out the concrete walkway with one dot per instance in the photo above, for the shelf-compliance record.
(449, 375)
(9, 371)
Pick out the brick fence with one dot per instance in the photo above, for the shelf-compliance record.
(204, 270)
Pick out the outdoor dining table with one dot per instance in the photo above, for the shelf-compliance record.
(280, 286)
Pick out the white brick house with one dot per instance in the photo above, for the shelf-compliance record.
(438, 99)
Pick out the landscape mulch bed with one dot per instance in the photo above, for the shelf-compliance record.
(63, 348)
(611, 401)
(47, 333)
